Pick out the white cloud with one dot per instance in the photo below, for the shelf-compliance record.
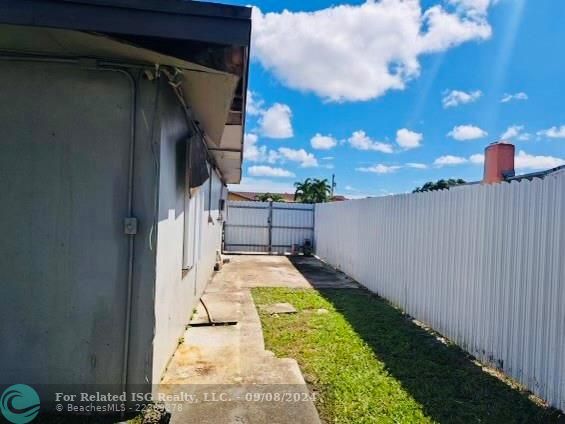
(455, 98)
(306, 160)
(553, 132)
(254, 104)
(255, 153)
(408, 139)
(416, 165)
(268, 171)
(360, 141)
(477, 159)
(262, 185)
(387, 169)
(467, 132)
(379, 169)
(512, 132)
(473, 6)
(526, 161)
(273, 156)
(447, 30)
(511, 97)
(251, 139)
(449, 160)
(523, 161)
(515, 132)
(359, 52)
(275, 122)
(251, 151)
(323, 142)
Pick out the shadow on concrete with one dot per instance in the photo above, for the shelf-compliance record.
(448, 383)
(321, 276)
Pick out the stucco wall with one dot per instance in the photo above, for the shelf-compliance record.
(63, 259)
(177, 291)
(64, 156)
(64, 256)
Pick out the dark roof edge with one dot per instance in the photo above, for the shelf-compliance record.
(538, 174)
(172, 19)
(184, 7)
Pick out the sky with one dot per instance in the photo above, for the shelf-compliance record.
(390, 94)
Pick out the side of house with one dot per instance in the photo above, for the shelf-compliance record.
(189, 232)
(65, 259)
(116, 150)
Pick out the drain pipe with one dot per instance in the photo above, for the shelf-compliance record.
(130, 227)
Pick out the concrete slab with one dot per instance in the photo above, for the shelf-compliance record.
(278, 308)
(224, 371)
(320, 275)
(228, 374)
(248, 271)
(222, 307)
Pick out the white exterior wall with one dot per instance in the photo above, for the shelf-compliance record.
(483, 265)
(64, 254)
(64, 260)
(177, 291)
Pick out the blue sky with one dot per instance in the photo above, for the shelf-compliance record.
(401, 92)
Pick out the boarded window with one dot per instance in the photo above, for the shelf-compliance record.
(197, 166)
(195, 196)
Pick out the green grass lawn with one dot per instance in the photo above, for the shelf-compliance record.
(370, 363)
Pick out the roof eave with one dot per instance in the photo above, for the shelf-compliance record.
(181, 20)
(172, 28)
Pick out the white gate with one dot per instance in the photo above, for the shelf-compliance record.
(271, 227)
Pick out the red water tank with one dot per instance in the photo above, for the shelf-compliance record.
(499, 162)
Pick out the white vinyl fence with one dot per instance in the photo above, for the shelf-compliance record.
(482, 265)
(273, 227)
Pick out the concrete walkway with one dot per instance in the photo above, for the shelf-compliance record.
(233, 379)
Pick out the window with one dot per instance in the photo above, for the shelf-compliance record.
(195, 171)
(189, 242)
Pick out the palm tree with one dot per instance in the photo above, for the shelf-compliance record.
(322, 190)
(303, 192)
(312, 191)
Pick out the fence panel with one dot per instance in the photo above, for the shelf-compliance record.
(267, 226)
(482, 265)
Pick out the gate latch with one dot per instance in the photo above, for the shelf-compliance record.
(130, 226)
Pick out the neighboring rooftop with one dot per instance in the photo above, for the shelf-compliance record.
(287, 197)
(500, 166)
(538, 174)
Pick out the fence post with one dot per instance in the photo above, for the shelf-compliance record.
(270, 225)
(314, 228)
